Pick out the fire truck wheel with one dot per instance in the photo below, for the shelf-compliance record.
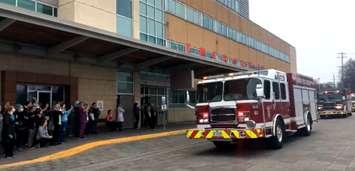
(278, 139)
(307, 130)
(221, 144)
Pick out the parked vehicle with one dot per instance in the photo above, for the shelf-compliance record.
(336, 103)
(264, 104)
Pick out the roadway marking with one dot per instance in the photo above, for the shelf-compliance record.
(85, 147)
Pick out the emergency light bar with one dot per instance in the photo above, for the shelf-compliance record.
(259, 72)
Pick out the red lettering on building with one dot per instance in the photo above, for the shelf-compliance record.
(202, 52)
(214, 55)
(235, 61)
(224, 58)
(187, 48)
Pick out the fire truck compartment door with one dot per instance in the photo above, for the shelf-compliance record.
(313, 103)
(298, 105)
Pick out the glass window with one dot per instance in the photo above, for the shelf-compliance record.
(180, 9)
(242, 89)
(159, 29)
(158, 15)
(124, 83)
(276, 90)
(151, 27)
(171, 6)
(283, 91)
(209, 92)
(151, 21)
(27, 4)
(124, 26)
(267, 89)
(159, 4)
(45, 9)
(150, 2)
(143, 24)
(11, 2)
(150, 12)
(178, 96)
(124, 8)
(143, 9)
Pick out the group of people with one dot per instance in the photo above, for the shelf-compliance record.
(35, 125)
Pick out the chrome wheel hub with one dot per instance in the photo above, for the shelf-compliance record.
(279, 134)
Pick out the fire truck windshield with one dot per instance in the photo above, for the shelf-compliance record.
(209, 92)
(330, 97)
(241, 89)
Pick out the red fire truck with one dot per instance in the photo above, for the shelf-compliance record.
(264, 104)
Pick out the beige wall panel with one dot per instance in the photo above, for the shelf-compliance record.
(104, 5)
(176, 29)
(194, 35)
(223, 45)
(209, 41)
(99, 18)
(66, 10)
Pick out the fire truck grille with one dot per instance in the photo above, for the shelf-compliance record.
(223, 115)
(328, 106)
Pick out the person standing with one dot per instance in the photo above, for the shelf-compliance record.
(120, 117)
(8, 132)
(94, 113)
(57, 124)
(65, 118)
(82, 113)
(30, 124)
(136, 114)
(21, 131)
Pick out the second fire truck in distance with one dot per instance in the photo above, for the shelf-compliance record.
(264, 104)
(335, 103)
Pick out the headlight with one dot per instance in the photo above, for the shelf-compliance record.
(320, 107)
(340, 106)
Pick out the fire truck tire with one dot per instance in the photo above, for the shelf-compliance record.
(221, 144)
(307, 130)
(276, 141)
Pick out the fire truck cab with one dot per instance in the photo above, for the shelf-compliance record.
(264, 104)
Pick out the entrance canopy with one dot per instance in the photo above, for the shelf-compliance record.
(26, 32)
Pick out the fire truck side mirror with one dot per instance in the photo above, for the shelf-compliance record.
(260, 91)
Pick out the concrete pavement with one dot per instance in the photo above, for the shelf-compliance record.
(331, 147)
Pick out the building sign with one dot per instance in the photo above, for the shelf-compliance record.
(220, 58)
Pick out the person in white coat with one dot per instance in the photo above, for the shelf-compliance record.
(120, 117)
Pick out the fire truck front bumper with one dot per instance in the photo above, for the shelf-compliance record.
(225, 134)
(332, 113)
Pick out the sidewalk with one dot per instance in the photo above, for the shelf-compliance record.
(29, 154)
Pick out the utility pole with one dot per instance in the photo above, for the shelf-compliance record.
(342, 57)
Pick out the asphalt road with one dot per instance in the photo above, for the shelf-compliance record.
(330, 147)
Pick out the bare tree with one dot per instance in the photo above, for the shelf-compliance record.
(349, 75)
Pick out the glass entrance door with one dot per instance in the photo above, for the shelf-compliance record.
(41, 94)
(153, 95)
(44, 98)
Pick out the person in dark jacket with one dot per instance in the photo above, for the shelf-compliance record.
(93, 114)
(57, 124)
(8, 132)
(136, 114)
(21, 131)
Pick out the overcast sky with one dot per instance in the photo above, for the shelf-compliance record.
(319, 29)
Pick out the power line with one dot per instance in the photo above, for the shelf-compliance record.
(342, 57)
